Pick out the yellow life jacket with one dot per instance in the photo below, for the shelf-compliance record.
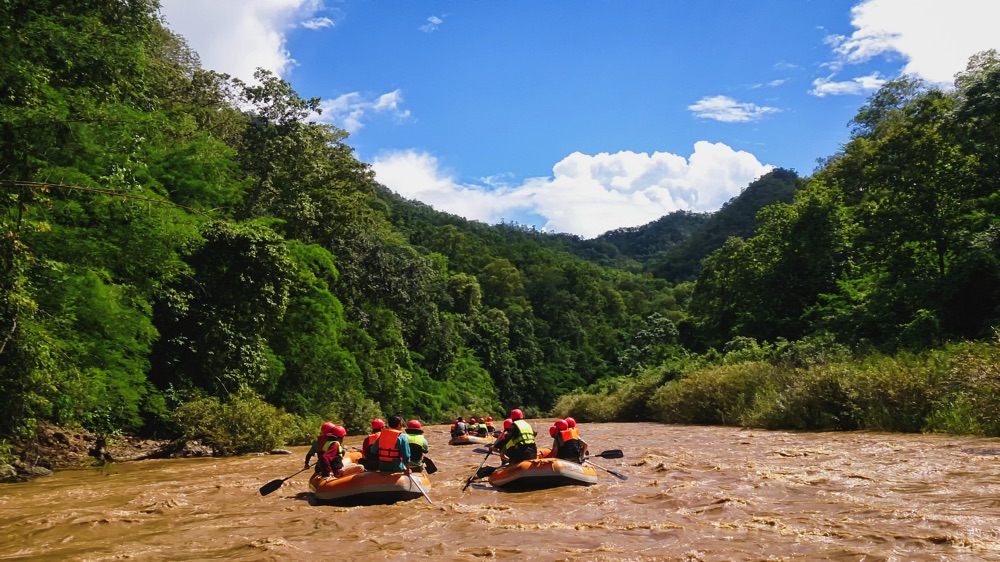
(526, 437)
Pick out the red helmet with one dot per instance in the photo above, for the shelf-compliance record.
(340, 431)
(571, 422)
(414, 424)
(377, 423)
(552, 431)
(561, 425)
(507, 423)
(516, 414)
(327, 428)
(489, 418)
(481, 420)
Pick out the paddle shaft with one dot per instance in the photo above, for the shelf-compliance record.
(469, 481)
(611, 472)
(419, 487)
(488, 453)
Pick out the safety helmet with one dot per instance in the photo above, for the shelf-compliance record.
(327, 428)
(481, 420)
(489, 418)
(571, 422)
(340, 431)
(552, 431)
(377, 423)
(561, 425)
(516, 414)
(507, 423)
(414, 424)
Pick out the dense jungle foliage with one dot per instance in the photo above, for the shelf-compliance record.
(186, 254)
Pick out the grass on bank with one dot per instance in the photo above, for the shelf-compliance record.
(813, 386)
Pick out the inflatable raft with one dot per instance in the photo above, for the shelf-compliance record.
(357, 487)
(542, 473)
(471, 440)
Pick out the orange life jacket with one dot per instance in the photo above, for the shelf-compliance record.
(387, 450)
(367, 445)
(569, 434)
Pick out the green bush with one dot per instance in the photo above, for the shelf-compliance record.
(815, 398)
(974, 383)
(584, 407)
(245, 424)
(716, 395)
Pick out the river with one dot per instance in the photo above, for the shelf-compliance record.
(693, 493)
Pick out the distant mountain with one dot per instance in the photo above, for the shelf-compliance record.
(673, 246)
(670, 247)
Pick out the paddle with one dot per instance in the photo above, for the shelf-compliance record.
(417, 484)
(612, 454)
(469, 481)
(486, 471)
(611, 472)
(429, 465)
(275, 484)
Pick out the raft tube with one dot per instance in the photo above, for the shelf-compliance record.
(471, 440)
(357, 487)
(543, 473)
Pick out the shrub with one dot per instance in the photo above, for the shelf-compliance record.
(814, 398)
(245, 424)
(716, 395)
(584, 407)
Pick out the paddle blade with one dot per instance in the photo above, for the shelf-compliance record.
(485, 471)
(429, 466)
(612, 454)
(271, 486)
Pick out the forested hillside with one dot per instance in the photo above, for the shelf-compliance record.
(186, 254)
(673, 246)
(180, 247)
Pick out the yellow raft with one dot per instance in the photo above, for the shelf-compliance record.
(542, 473)
(357, 487)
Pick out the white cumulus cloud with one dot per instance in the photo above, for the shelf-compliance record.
(935, 38)
(586, 194)
(237, 36)
(728, 110)
(349, 111)
(860, 85)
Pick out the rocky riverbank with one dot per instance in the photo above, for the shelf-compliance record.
(54, 448)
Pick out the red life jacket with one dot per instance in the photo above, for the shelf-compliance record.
(387, 450)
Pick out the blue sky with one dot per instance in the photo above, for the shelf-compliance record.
(583, 117)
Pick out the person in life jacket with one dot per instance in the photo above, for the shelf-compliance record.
(329, 450)
(392, 448)
(481, 430)
(459, 428)
(367, 460)
(518, 441)
(418, 445)
(489, 425)
(473, 425)
(567, 443)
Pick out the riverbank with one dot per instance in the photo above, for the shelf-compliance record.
(55, 448)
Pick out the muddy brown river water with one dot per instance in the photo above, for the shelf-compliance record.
(693, 493)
